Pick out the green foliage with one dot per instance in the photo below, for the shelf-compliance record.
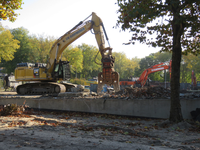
(156, 18)
(91, 60)
(189, 63)
(22, 53)
(162, 56)
(124, 66)
(130, 67)
(8, 8)
(32, 49)
(42, 46)
(75, 57)
(8, 45)
(185, 73)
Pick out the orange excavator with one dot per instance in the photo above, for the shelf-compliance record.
(144, 76)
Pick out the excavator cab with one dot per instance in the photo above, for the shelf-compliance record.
(62, 71)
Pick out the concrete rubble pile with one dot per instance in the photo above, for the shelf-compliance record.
(145, 92)
(154, 93)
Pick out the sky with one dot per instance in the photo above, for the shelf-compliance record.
(56, 17)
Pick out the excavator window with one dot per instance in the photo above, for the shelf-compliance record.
(60, 73)
(56, 68)
(59, 70)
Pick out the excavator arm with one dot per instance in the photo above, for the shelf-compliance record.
(144, 76)
(108, 75)
(61, 44)
(159, 67)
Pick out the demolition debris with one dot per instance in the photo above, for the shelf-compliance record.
(153, 93)
(144, 92)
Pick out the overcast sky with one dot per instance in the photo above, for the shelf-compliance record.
(56, 17)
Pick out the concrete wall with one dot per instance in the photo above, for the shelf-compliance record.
(155, 108)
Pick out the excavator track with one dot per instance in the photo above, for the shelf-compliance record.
(41, 88)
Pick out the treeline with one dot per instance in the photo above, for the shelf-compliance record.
(85, 60)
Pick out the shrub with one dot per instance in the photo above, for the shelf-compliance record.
(78, 81)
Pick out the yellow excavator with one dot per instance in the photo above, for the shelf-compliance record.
(42, 78)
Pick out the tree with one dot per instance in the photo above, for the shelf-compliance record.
(176, 24)
(185, 73)
(40, 47)
(75, 57)
(124, 66)
(8, 8)
(189, 63)
(23, 53)
(120, 64)
(145, 63)
(8, 45)
(91, 60)
(131, 64)
(162, 57)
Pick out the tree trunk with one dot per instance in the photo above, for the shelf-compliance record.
(175, 110)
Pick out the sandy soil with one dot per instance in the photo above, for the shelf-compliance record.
(39, 130)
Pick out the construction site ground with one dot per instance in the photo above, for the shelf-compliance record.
(39, 128)
(53, 130)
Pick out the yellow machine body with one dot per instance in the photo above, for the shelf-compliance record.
(25, 73)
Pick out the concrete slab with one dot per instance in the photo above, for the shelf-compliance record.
(73, 94)
(155, 108)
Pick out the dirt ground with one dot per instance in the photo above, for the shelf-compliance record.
(39, 130)
(2, 92)
(42, 130)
